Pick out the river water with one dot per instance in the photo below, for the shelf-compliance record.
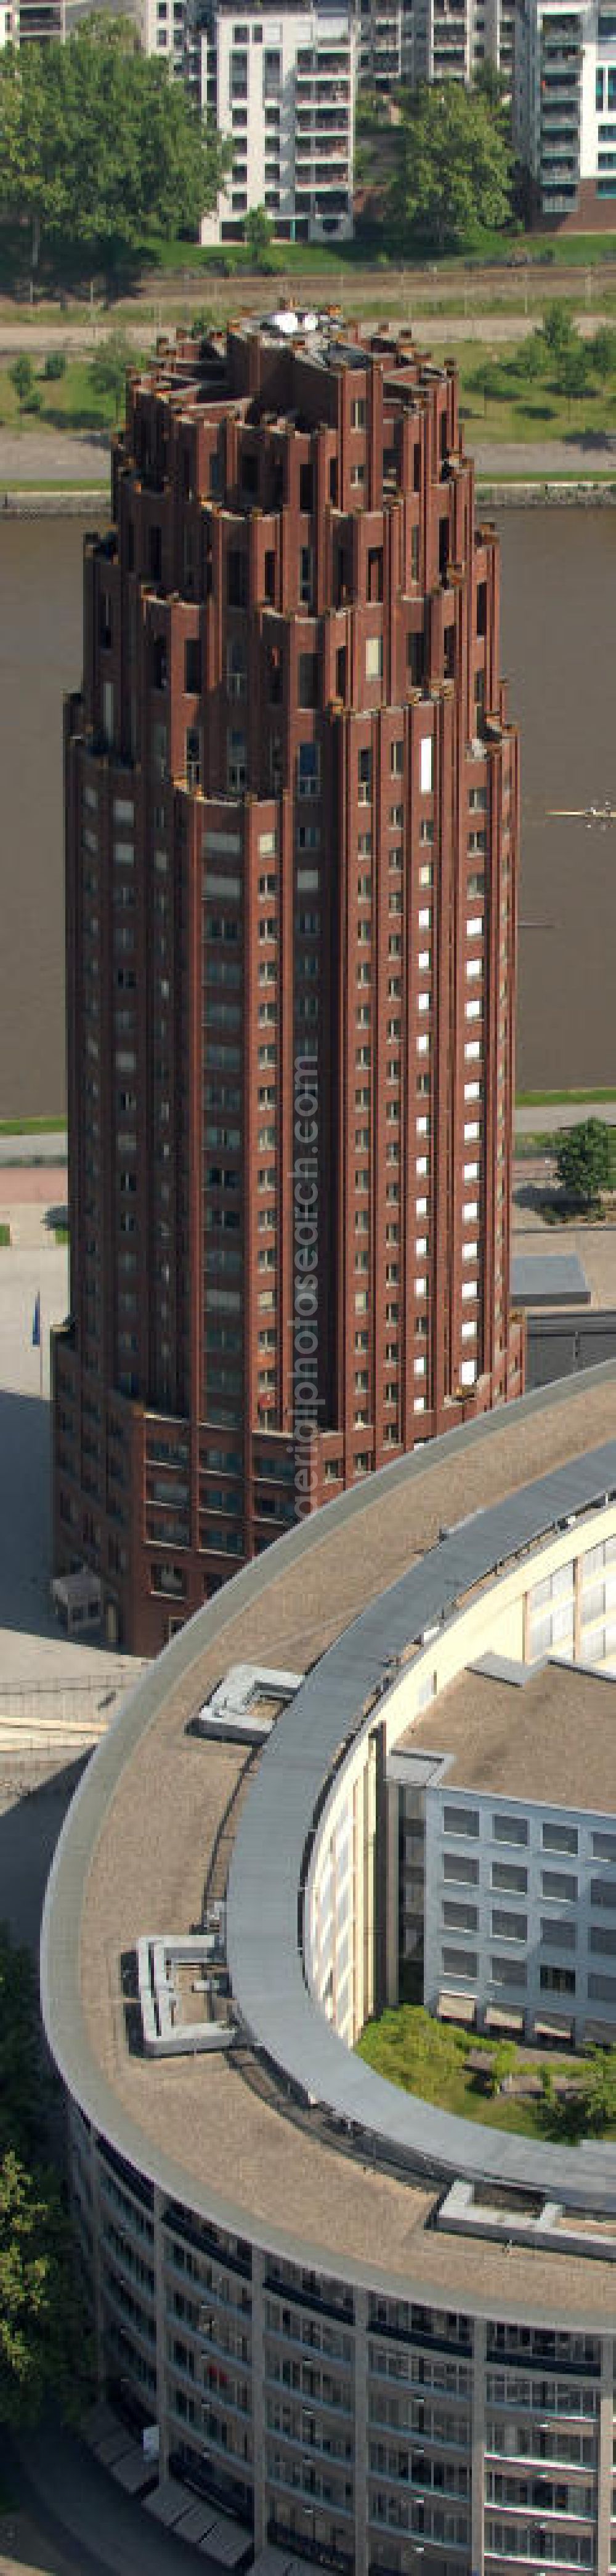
(558, 603)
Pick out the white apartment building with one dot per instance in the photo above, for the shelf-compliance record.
(163, 31)
(565, 107)
(385, 38)
(282, 89)
(453, 38)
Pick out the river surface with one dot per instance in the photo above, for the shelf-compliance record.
(558, 622)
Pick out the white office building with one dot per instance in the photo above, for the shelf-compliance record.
(282, 90)
(565, 108)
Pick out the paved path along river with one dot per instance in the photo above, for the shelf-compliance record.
(47, 456)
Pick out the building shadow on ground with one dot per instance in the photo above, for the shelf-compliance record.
(25, 1515)
(32, 1812)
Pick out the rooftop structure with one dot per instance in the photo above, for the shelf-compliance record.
(545, 1732)
(292, 858)
(275, 2207)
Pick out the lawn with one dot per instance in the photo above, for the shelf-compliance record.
(500, 404)
(71, 403)
(430, 2058)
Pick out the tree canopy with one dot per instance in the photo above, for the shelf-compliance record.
(583, 1160)
(43, 2352)
(453, 174)
(99, 146)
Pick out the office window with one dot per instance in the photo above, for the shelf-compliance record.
(560, 1838)
(510, 1829)
(460, 1820)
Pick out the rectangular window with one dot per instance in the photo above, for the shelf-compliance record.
(308, 679)
(559, 1932)
(237, 578)
(308, 769)
(559, 1981)
(460, 1866)
(305, 576)
(604, 1846)
(507, 1926)
(510, 1829)
(426, 765)
(508, 1879)
(560, 1838)
(374, 657)
(192, 666)
(461, 1820)
(508, 1972)
(558, 1882)
(108, 713)
(459, 1963)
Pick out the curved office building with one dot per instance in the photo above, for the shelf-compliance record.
(360, 2330)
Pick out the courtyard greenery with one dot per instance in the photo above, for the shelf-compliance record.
(537, 2094)
(585, 1160)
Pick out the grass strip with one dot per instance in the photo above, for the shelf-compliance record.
(32, 1126)
(559, 1099)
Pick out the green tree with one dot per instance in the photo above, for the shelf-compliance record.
(485, 381)
(109, 368)
(41, 2330)
(557, 329)
(259, 233)
(21, 377)
(602, 352)
(491, 85)
(583, 1160)
(598, 2093)
(99, 146)
(504, 2059)
(571, 372)
(43, 2351)
(55, 366)
(453, 173)
(532, 358)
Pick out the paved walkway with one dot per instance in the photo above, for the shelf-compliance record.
(52, 456)
(33, 1149)
(40, 456)
(549, 457)
(550, 1116)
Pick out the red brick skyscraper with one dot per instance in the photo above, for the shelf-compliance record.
(292, 840)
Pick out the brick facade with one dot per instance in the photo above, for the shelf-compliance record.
(292, 807)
